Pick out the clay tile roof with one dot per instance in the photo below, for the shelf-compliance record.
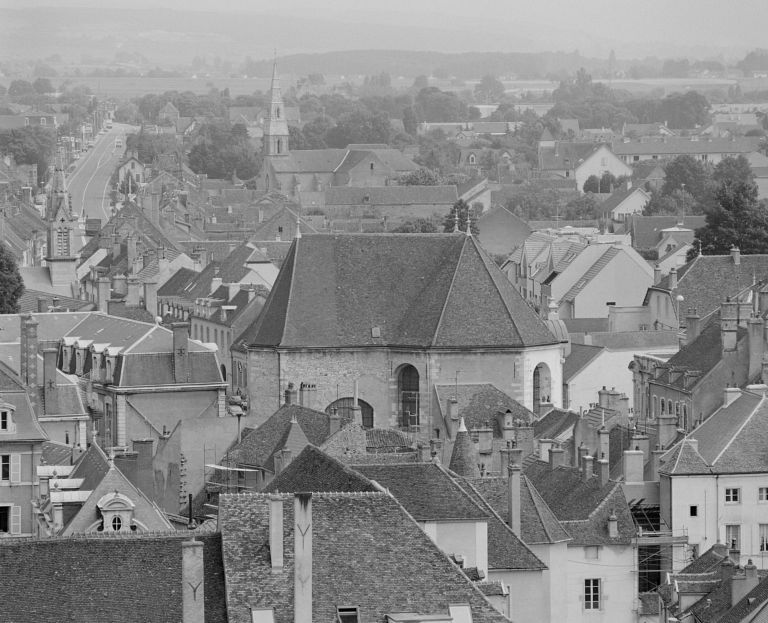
(426, 491)
(380, 541)
(336, 290)
(146, 585)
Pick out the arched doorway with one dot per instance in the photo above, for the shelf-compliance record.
(542, 386)
(344, 409)
(408, 396)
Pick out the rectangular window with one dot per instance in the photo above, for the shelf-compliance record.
(764, 537)
(5, 519)
(4, 420)
(762, 494)
(732, 495)
(733, 537)
(592, 594)
(5, 467)
(694, 511)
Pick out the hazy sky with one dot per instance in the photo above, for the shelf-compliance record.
(633, 27)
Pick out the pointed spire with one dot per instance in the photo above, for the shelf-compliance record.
(463, 456)
(456, 221)
(298, 227)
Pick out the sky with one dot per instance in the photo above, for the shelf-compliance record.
(634, 28)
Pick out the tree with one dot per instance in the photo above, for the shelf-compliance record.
(30, 145)
(42, 86)
(733, 170)
(489, 89)
(420, 82)
(20, 88)
(416, 226)
(685, 170)
(359, 127)
(608, 182)
(11, 284)
(222, 151)
(592, 184)
(420, 177)
(464, 212)
(736, 219)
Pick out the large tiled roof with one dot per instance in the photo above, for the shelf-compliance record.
(479, 404)
(143, 575)
(258, 448)
(708, 279)
(646, 230)
(426, 491)
(314, 470)
(393, 289)
(674, 145)
(309, 161)
(391, 195)
(378, 542)
(538, 523)
(554, 423)
(583, 506)
(29, 302)
(178, 283)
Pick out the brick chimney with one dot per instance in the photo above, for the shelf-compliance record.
(556, 457)
(692, 325)
(673, 278)
(656, 455)
(453, 417)
(180, 351)
(667, 426)
(730, 394)
(133, 297)
(192, 582)
(604, 398)
(51, 391)
(513, 498)
(276, 532)
(728, 324)
(588, 468)
(633, 466)
(103, 293)
(656, 274)
(603, 471)
(302, 564)
(604, 439)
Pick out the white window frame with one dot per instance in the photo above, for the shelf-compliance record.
(593, 589)
(733, 495)
(762, 494)
(762, 536)
(733, 528)
(14, 519)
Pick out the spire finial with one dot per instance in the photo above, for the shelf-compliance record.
(469, 224)
(298, 227)
(456, 221)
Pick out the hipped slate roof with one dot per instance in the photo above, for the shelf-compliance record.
(391, 195)
(480, 403)
(143, 576)
(359, 541)
(411, 290)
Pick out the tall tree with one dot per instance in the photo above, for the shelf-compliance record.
(685, 170)
(489, 89)
(11, 284)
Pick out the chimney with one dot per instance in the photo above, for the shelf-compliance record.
(290, 394)
(144, 470)
(581, 452)
(613, 525)
(556, 457)
(589, 469)
(192, 582)
(692, 326)
(485, 438)
(741, 584)
(357, 412)
(667, 425)
(524, 439)
(276, 532)
(603, 471)
(42, 304)
(604, 398)
(302, 564)
(120, 284)
(216, 283)
(545, 445)
(604, 439)
(506, 459)
(116, 247)
(728, 324)
(180, 351)
(131, 249)
(755, 327)
(640, 441)
(633, 466)
(133, 297)
(51, 392)
(730, 394)
(656, 274)
(673, 278)
(334, 422)
(513, 494)
(102, 293)
(735, 255)
(31, 344)
(453, 417)
(656, 455)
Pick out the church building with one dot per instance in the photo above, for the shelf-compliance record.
(377, 321)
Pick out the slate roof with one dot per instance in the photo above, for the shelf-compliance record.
(382, 440)
(259, 447)
(646, 231)
(28, 302)
(708, 561)
(337, 290)
(554, 424)
(705, 281)
(55, 454)
(178, 283)
(479, 403)
(314, 470)
(426, 491)
(583, 506)
(380, 540)
(565, 155)
(620, 196)
(538, 523)
(391, 195)
(145, 586)
(309, 161)
(753, 601)
(580, 356)
(13, 392)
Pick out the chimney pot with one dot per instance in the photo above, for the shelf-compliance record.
(192, 582)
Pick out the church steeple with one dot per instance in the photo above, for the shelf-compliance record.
(62, 255)
(276, 125)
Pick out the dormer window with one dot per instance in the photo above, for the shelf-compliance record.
(472, 159)
(347, 614)
(6, 419)
(117, 512)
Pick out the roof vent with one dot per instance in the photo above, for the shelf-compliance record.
(375, 331)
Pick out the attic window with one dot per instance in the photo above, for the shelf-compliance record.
(347, 614)
(375, 331)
